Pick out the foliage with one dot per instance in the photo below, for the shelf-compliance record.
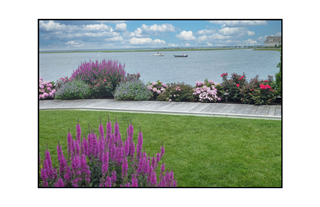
(46, 89)
(232, 85)
(101, 87)
(277, 84)
(104, 160)
(258, 92)
(62, 80)
(177, 92)
(208, 91)
(130, 77)
(90, 72)
(73, 90)
(156, 88)
(132, 90)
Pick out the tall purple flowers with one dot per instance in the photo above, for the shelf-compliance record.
(115, 162)
(90, 71)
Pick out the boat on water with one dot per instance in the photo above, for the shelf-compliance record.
(184, 55)
(157, 54)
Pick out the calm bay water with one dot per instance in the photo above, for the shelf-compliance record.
(198, 66)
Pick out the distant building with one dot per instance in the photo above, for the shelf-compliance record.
(272, 41)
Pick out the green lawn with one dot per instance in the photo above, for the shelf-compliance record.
(202, 151)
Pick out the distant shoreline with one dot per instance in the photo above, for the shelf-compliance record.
(164, 50)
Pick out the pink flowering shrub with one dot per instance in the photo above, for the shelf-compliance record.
(46, 89)
(157, 88)
(105, 160)
(177, 92)
(207, 91)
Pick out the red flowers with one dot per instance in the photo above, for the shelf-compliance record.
(238, 85)
(264, 86)
(252, 89)
(241, 77)
(224, 74)
(266, 81)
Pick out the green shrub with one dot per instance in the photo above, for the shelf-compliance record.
(258, 92)
(232, 85)
(177, 92)
(277, 83)
(132, 90)
(73, 90)
(101, 87)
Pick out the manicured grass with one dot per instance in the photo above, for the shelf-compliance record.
(202, 151)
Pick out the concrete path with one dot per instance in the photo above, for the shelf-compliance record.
(162, 107)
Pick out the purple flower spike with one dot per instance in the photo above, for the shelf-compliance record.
(69, 142)
(114, 176)
(162, 151)
(59, 183)
(139, 145)
(78, 132)
(124, 167)
(108, 182)
(134, 181)
(105, 163)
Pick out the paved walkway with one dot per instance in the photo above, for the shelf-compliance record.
(162, 107)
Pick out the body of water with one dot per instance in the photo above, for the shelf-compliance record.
(198, 66)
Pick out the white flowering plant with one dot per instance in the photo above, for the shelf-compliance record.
(208, 91)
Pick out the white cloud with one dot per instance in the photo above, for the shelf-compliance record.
(236, 31)
(113, 39)
(122, 27)
(157, 28)
(209, 44)
(249, 42)
(145, 41)
(97, 27)
(278, 34)
(205, 32)
(184, 35)
(250, 33)
(212, 37)
(71, 43)
(203, 38)
(136, 33)
(172, 45)
(50, 26)
(239, 23)
(74, 43)
(98, 34)
(187, 44)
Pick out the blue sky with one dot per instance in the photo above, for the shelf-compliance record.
(82, 34)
